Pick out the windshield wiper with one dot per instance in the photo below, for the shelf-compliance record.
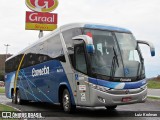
(115, 55)
(113, 67)
(140, 66)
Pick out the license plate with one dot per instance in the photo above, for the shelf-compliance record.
(126, 99)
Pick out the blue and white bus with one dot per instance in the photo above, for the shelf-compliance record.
(79, 65)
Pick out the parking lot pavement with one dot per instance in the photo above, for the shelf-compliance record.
(154, 92)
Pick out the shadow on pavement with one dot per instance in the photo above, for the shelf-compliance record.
(50, 110)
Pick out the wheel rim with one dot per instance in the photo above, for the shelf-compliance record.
(13, 98)
(66, 102)
(18, 98)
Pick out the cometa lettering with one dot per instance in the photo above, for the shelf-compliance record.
(40, 72)
(35, 18)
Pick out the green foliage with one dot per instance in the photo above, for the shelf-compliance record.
(1, 77)
(6, 108)
(154, 84)
(2, 90)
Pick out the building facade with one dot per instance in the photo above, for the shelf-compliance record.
(2, 62)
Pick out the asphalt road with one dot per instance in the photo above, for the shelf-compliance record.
(154, 92)
(82, 113)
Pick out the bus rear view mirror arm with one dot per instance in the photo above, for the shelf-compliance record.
(152, 48)
(88, 41)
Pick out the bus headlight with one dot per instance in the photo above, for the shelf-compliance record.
(144, 87)
(100, 88)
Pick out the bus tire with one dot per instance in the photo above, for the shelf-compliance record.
(66, 102)
(19, 100)
(111, 107)
(14, 98)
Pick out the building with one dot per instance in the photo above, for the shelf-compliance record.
(2, 63)
(1, 84)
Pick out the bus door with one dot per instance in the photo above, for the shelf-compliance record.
(81, 77)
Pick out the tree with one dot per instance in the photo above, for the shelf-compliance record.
(1, 77)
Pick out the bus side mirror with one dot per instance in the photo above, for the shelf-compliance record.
(88, 41)
(152, 48)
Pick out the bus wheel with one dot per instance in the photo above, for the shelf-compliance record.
(14, 98)
(19, 101)
(66, 102)
(111, 107)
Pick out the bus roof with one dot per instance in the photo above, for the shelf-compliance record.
(95, 26)
(106, 27)
(75, 25)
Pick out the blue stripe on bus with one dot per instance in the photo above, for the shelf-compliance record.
(106, 27)
(23, 73)
(120, 85)
(34, 86)
(9, 83)
(40, 88)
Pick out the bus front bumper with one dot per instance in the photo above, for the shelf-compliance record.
(117, 97)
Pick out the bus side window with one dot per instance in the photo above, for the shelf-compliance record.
(42, 52)
(80, 61)
(68, 35)
(17, 61)
(31, 59)
(9, 66)
(55, 52)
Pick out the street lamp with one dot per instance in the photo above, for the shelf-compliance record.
(7, 45)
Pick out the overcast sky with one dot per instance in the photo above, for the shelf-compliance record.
(142, 17)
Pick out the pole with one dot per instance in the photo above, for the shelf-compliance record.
(7, 45)
(40, 33)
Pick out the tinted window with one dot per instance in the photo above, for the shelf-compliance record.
(68, 35)
(80, 59)
(31, 58)
(42, 52)
(55, 49)
(51, 49)
(13, 64)
(9, 66)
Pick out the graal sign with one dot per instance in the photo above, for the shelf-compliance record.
(38, 17)
(41, 21)
(42, 5)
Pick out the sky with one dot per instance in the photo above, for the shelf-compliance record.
(142, 17)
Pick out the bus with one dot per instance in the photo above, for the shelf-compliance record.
(79, 64)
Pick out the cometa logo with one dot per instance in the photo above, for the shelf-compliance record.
(40, 72)
(42, 5)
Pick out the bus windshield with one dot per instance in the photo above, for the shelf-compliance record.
(116, 55)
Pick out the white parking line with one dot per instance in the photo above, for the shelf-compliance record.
(10, 106)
